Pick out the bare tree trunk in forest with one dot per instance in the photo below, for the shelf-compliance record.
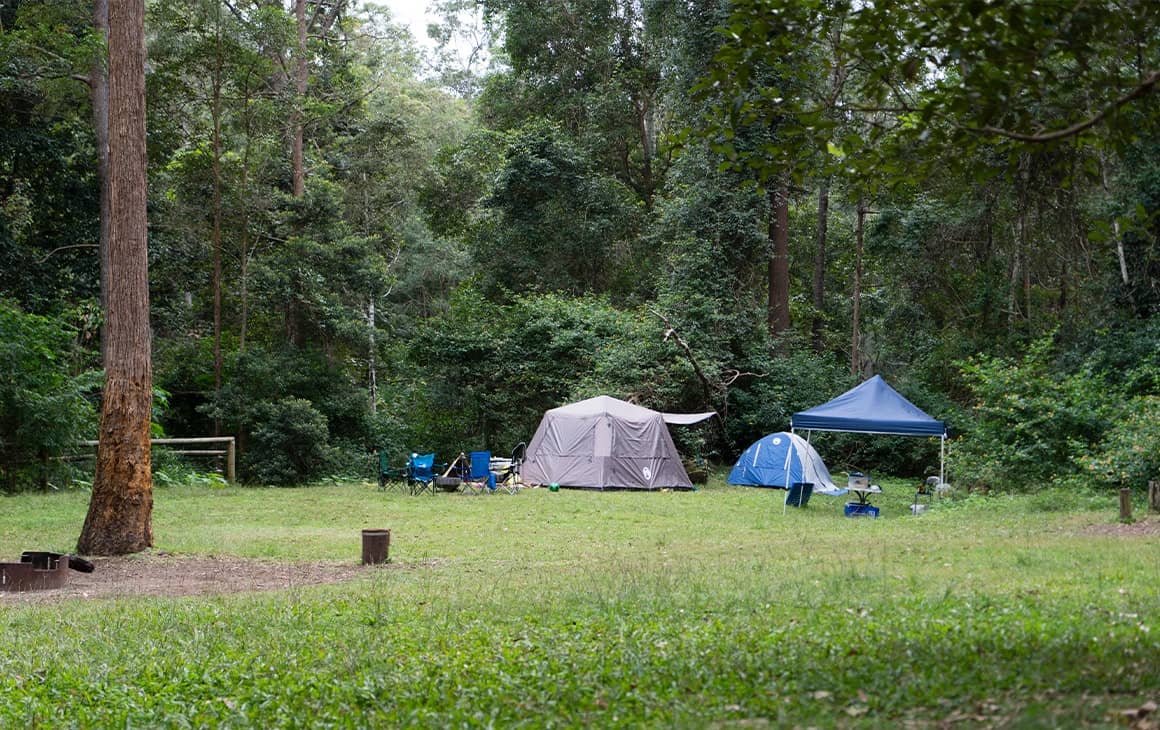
(1013, 288)
(120, 512)
(372, 367)
(244, 236)
(1123, 260)
(1025, 255)
(819, 288)
(99, 91)
(778, 308)
(856, 324)
(297, 123)
(216, 235)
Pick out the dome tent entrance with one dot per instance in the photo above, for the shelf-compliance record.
(606, 443)
(873, 407)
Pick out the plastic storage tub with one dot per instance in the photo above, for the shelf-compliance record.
(855, 509)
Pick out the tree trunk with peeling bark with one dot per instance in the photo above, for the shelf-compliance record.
(120, 516)
(817, 329)
(778, 306)
(297, 117)
(855, 323)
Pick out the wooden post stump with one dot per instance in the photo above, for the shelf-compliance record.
(1154, 496)
(1125, 504)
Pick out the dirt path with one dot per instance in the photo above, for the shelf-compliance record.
(1147, 526)
(166, 574)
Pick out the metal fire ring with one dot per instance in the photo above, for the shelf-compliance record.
(39, 571)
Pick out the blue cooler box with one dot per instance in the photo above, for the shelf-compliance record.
(854, 509)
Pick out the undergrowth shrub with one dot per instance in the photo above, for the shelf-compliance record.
(290, 443)
(1129, 455)
(1032, 424)
(44, 406)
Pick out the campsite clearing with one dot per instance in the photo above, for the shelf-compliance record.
(610, 609)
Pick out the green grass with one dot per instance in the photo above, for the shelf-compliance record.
(705, 609)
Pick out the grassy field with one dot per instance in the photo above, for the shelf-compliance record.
(704, 609)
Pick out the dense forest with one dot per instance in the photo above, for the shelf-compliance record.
(361, 241)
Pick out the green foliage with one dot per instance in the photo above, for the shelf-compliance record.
(522, 246)
(1032, 425)
(596, 69)
(45, 407)
(927, 81)
(489, 371)
(48, 193)
(1127, 456)
(173, 470)
(297, 417)
(289, 444)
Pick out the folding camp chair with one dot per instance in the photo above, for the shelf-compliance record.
(390, 477)
(421, 473)
(799, 494)
(480, 479)
(509, 478)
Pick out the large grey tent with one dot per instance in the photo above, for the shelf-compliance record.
(605, 443)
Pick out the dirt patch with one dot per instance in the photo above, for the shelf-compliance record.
(166, 574)
(1143, 527)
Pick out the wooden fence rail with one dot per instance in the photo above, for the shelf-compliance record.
(229, 452)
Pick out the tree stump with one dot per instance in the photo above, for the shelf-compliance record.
(1154, 496)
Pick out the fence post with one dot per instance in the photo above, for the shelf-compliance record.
(1154, 495)
(230, 460)
(1125, 504)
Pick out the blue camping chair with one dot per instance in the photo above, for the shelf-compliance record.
(480, 478)
(421, 473)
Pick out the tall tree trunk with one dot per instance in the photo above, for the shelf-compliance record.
(372, 367)
(99, 91)
(216, 235)
(778, 307)
(1120, 257)
(297, 124)
(856, 324)
(244, 234)
(817, 329)
(120, 512)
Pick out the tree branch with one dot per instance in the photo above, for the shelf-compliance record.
(1142, 89)
(671, 331)
(48, 255)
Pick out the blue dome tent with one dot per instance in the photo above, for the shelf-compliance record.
(781, 460)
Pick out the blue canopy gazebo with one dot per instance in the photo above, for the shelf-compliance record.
(873, 407)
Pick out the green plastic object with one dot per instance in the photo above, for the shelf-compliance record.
(553, 487)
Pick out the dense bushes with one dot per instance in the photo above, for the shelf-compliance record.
(1129, 455)
(298, 418)
(1036, 422)
(44, 406)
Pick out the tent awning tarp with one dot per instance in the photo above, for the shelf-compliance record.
(872, 407)
(686, 419)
